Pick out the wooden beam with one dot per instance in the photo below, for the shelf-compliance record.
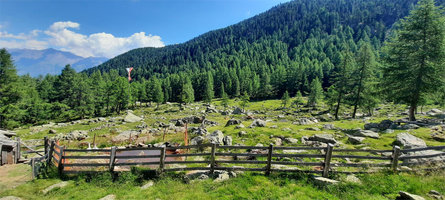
(327, 160)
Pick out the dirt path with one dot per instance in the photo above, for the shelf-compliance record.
(12, 176)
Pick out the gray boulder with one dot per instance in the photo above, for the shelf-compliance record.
(321, 181)
(130, 117)
(408, 196)
(328, 126)
(126, 135)
(7, 133)
(258, 123)
(227, 140)
(356, 140)
(233, 122)
(325, 138)
(197, 140)
(76, 135)
(409, 126)
(409, 141)
(237, 111)
(291, 140)
(242, 133)
(216, 137)
(365, 133)
(240, 126)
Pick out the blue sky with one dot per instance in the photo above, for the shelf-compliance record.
(110, 27)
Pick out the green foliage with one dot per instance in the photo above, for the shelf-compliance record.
(415, 56)
(285, 99)
(224, 97)
(244, 101)
(316, 94)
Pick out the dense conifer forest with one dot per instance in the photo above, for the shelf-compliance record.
(340, 51)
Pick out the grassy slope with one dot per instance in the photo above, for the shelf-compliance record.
(248, 186)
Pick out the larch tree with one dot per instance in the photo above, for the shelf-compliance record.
(415, 56)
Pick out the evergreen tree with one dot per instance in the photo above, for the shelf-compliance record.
(224, 97)
(244, 101)
(316, 94)
(342, 80)
(298, 99)
(9, 93)
(363, 75)
(415, 56)
(208, 92)
(285, 99)
(187, 93)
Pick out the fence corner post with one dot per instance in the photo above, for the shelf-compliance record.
(269, 160)
(112, 158)
(60, 165)
(395, 158)
(162, 160)
(50, 153)
(33, 168)
(45, 144)
(212, 158)
(327, 160)
(17, 152)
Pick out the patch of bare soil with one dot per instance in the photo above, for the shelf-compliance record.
(12, 176)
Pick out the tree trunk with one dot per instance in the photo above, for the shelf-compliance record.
(412, 112)
(338, 106)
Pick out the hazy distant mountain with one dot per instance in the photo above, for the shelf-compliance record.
(50, 61)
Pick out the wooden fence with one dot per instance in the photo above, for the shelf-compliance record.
(211, 157)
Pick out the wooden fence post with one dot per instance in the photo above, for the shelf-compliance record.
(162, 159)
(50, 153)
(112, 158)
(33, 167)
(45, 144)
(17, 152)
(395, 158)
(212, 158)
(327, 160)
(269, 159)
(60, 164)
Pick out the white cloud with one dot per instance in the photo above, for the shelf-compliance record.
(61, 36)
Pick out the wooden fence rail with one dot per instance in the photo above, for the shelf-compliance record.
(259, 158)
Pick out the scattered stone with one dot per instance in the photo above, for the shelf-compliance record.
(52, 131)
(211, 109)
(435, 194)
(409, 141)
(57, 185)
(216, 137)
(274, 126)
(227, 140)
(221, 176)
(130, 117)
(277, 141)
(286, 129)
(199, 131)
(356, 140)
(242, 133)
(438, 137)
(328, 127)
(126, 135)
(409, 126)
(352, 179)
(233, 122)
(237, 111)
(258, 123)
(147, 185)
(305, 121)
(240, 126)
(312, 129)
(10, 198)
(388, 131)
(408, 196)
(73, 135)
(108, 197)
(197, 140)
(325, 138)
(322, 181)
(364, 133)
(291, 140)
(385, 124)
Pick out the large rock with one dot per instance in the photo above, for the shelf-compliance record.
(57, 185)
(305, 121)
(328, 126)
(211, 109)
(356, 140)
(291, 140)
(258, 123)
(199, 131)
(325, 138)
(227, 140)
(147, 185)
(409, 141)
(409, 126)
(364, 133)
(7, 133)
(233, 122)
(73, 135)
(383, 125)
(197, 140)
(216, 137)
(408, 196)
(125, 136)
(130, 117)
(324, 181)
(237, 111)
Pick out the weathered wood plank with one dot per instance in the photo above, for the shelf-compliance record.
(241, 154)
(298, 163)
(87, 157)
(136, 163)
(299, 155)
(186, 162)
(86, 164)
(87, 150)
(242, 161)
(421, 156)
(136, 156)
(423, 149)
(188, 154)
(361, 157)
